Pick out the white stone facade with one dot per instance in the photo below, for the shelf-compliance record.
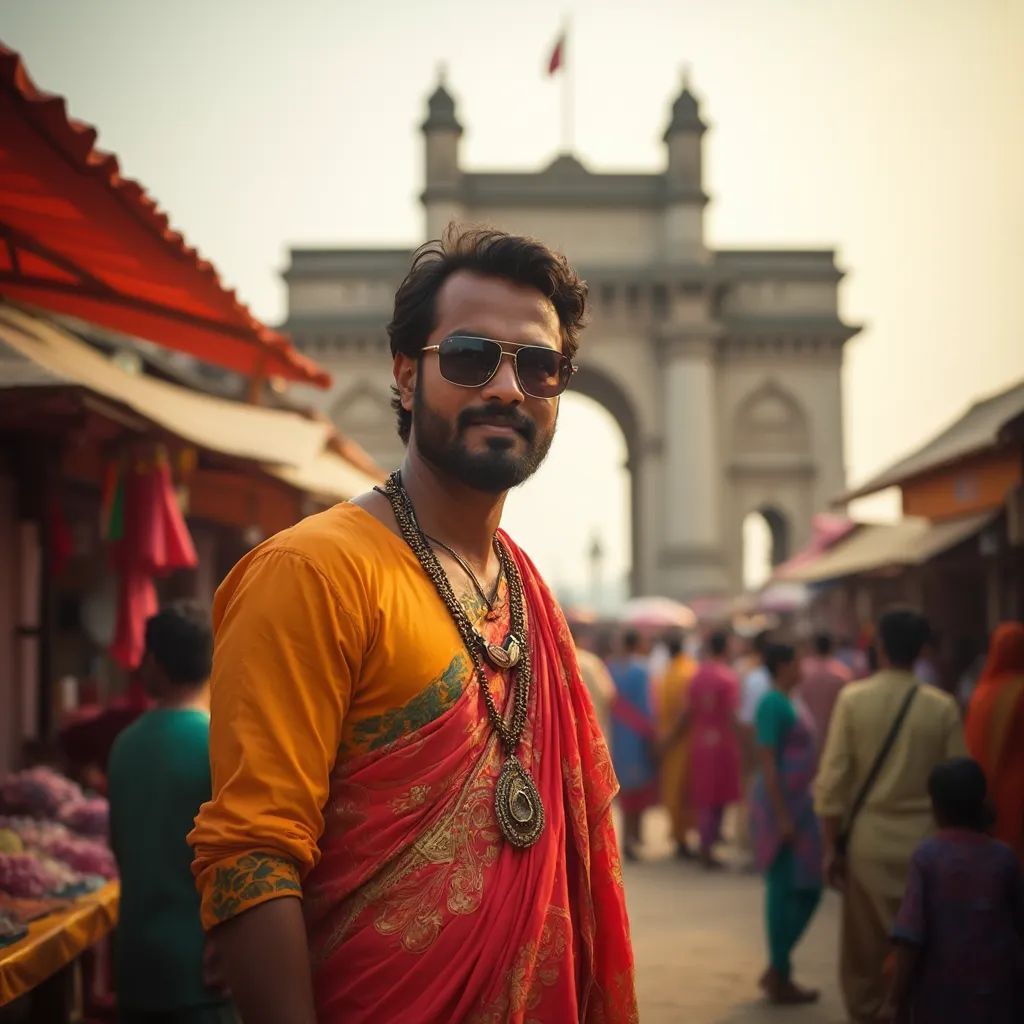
(722, 368)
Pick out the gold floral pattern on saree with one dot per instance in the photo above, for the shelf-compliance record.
(250, 879)
(445, 867)
(455, 854)
(537, 966)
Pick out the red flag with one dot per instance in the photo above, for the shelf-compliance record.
(557, 55)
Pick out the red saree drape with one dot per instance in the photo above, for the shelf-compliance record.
(419, 911)
(995, 731)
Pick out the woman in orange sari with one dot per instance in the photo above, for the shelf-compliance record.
(995, 731)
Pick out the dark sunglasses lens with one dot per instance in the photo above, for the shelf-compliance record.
(468, 361)
(543, 372)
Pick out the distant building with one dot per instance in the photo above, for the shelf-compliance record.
(722, 368)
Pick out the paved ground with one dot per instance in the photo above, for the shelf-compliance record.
(700, 946)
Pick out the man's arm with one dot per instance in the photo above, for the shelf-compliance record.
(831, 789)
(265, 960)
(288, 645)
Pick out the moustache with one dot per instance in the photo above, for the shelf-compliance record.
(499, 416)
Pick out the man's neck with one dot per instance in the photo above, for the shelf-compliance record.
(461, 517)
(185, 700)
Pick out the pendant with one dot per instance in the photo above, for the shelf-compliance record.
(518, 805)
(507, 655)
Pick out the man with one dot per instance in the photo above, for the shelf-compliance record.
(595, 676)
(672, 700)
(159, 776)
(896, 814)
(633, 739)
(822, 676)
(715, 755)
(756, 682)
(400, 736)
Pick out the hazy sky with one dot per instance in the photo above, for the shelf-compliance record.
(890, 129)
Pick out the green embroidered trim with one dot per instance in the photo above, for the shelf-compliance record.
(250, 879)
(430, 703)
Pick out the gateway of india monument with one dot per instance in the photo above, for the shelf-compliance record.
(722, 367)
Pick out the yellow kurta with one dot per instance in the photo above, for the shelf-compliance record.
(675, 764)
(895, 818)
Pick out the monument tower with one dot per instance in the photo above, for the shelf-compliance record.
(722, 367)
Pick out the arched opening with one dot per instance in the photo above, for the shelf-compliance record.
(575, 516)
(767, 542)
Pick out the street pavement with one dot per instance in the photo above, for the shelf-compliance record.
(700, 948)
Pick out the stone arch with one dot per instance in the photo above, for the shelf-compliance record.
(601, 387)
(363, 411)
(770, 421)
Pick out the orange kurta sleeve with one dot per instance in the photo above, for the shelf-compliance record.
(289, 641)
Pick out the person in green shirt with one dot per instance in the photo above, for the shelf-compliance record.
(783, 825)
(159, 775)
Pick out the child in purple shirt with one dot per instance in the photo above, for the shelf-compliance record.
(959, 936)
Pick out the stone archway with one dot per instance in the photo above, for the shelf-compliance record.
(597, 385)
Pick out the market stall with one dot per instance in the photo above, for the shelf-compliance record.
(58, 884)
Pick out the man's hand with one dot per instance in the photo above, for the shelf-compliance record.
(213, 971)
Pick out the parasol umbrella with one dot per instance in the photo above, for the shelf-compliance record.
(657, 613)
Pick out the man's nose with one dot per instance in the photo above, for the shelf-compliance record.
(504, 385)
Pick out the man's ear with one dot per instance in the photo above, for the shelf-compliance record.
(405, 379)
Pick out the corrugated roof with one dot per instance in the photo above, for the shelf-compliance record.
(975, 431)
(910, 541)
(80, 238)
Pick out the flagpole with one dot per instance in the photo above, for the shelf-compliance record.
(567, 92)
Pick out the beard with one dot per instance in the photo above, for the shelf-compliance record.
(498, 468)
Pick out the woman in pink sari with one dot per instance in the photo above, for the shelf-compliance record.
(714, 744)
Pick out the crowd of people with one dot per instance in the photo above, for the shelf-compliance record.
(847, 769)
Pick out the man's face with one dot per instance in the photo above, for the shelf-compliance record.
(493, 437)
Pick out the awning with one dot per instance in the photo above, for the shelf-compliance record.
(78, 238)
(328, 476)
(878, 546)
(35, 353)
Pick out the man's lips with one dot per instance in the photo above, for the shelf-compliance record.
(501, 425)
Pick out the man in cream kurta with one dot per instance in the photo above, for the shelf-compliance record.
(897, 813)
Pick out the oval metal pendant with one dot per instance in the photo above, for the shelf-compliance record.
(518, 805)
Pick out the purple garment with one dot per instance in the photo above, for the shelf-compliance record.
(786, 726)
(964, 909)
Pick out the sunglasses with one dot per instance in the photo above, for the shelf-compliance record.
(471, 362)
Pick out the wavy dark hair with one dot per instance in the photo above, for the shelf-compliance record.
(489, 253)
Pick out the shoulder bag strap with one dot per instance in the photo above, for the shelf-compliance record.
(883, 753)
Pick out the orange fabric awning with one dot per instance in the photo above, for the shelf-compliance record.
(78, 238)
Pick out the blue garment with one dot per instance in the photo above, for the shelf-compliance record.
(632, 755)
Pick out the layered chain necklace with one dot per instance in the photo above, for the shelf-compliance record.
(517, 803)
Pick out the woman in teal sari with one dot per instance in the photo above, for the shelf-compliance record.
(784, 827)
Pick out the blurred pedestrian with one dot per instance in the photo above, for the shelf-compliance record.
(672, 698)
(822, 676)
(714, 743)
(633, 738)
(784, 827)
(159, 776)
(755, 683)
(886, 736)
(756, 680)
(959, 934)
(596, 677)
(995, 731)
